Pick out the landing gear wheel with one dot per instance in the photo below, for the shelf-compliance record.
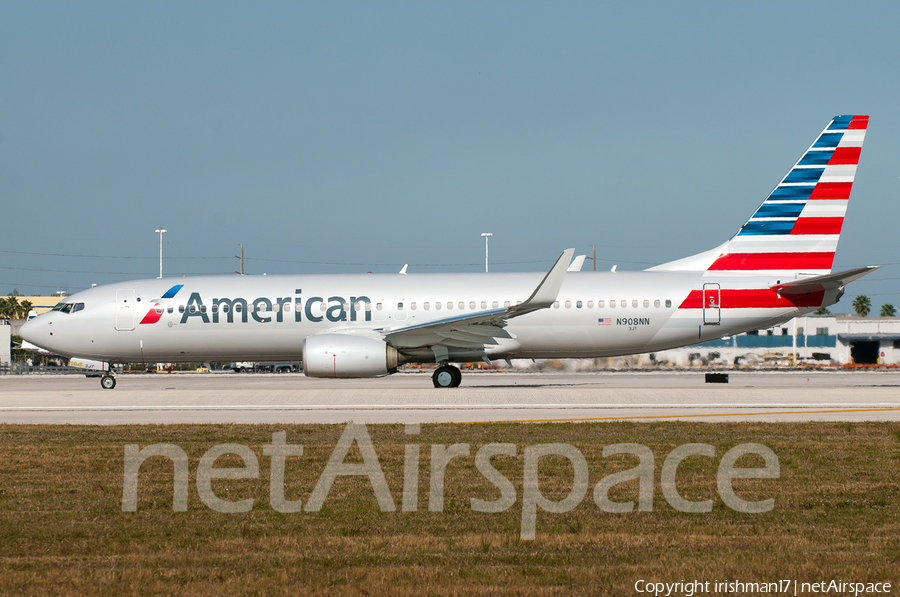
(446, 376)
(107, 382)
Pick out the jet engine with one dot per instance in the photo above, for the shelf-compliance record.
(343, 355)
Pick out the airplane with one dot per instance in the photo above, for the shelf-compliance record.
(776, 266)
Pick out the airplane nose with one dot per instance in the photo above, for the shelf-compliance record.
(30, 330)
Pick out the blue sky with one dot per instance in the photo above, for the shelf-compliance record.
(348, 137)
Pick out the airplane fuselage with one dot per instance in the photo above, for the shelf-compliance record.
(223, 318)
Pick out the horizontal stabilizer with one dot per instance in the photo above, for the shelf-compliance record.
(826, 282)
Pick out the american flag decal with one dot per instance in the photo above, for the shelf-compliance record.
(604, 321)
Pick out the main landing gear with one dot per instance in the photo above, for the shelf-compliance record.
(446, 376)
(107, 382)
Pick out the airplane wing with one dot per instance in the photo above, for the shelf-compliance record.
(474, 330)
(26, 345)
(826, 282)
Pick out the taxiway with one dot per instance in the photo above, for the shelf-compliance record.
(487, 396)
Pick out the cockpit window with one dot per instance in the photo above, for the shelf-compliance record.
(68, 307)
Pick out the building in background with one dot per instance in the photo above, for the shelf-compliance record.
(5, 344)
(839, 339)
(42, 304)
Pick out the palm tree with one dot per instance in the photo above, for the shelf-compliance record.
(888, 310)
(4, 308)
(26, 308)
(862, 305)
(822, 311)
(12, 306)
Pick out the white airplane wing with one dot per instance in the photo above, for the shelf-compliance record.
(474, 330)
(26, 345)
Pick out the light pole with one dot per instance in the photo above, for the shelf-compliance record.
(593, 257)
(486, 236)
(160, 231)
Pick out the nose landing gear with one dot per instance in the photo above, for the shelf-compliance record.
(107, 382)
(446, 376)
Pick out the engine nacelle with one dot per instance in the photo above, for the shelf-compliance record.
(343, 355)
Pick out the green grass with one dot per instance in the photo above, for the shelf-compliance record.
(63, 531)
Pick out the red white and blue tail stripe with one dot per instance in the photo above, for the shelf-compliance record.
(797, 227)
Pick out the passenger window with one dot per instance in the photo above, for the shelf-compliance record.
(238, 308)
(612, 304)
(170, 309)
(225, 308)
(556, 305)
(646, 304)
(484, 304)
(399, 306)
(634, 304)
(193, 309)
(426, 305)
(472, 305)
(495, 305)
(203, 308)
(578, 304)
(568, 304)
(462, 305)
(437, 305)
(624, 304)
(656, 303)
(181, 308)
(601, 304)
(449, 305)
(590, 304)
(378, 307)
(506, 305)
(412, 306)
(159, 310)
(215, 308)
(668, 304)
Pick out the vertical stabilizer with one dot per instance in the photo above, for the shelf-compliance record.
(797, 228)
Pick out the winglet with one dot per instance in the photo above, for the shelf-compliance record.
(546, 292)
(577, 263)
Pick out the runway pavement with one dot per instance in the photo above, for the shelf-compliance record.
(484, 396)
